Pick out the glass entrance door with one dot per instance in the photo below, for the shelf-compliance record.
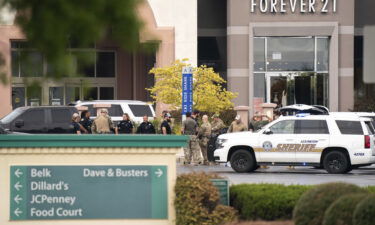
(281, 88)
(288, 88)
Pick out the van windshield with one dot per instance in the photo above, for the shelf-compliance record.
(141, 110)
(11, 116)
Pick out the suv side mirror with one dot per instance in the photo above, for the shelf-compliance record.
(19, 123)
(267, 132)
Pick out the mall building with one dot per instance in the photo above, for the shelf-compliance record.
(116, 74)
(316, 52)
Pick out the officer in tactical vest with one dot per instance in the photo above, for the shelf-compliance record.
(237, 125)
(102, 124)
(192, 151)
(217, 125)
(204, 134)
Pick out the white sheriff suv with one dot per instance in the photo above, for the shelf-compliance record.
(338, 143)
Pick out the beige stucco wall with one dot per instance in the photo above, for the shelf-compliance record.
(89, 157)
(8, 32)
(183, 16)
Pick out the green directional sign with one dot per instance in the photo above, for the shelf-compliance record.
(222, 186)
(88, 192)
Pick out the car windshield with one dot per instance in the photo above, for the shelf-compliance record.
(11, 116)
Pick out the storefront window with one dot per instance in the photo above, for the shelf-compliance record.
(322, 54)
(259, 54)
(18, 97)
(106, 93)
(85, 63)
(90, 93)
(290, 54)
(288, 88)
(26, 63)
(105, 65)
(72, 94)
(56, 95)
(296, 71)
(34, 96)
(15, 64)
(259, 85)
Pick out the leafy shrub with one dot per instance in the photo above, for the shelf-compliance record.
(228, 116)
(364, 105)
(365, 211)
(197, 201)
(176, 115)
(310, 208)
(156, 122)
(370, 189)
(265, 201)
(341, 211)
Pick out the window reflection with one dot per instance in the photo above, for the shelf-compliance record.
(290, 54)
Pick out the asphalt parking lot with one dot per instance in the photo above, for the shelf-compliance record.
(283, 175)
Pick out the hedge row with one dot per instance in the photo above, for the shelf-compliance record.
(265, 201)
(268, 201)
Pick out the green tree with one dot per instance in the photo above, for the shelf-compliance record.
(51, 27)
(208, 92)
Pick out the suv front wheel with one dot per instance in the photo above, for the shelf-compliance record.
(243, 161)
(336, 162)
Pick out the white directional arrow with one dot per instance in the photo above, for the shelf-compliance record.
(17, 186)
(17, 212)
(17, 199)
(159, 172)
(18, 173)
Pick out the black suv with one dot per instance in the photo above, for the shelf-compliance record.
(40, 120)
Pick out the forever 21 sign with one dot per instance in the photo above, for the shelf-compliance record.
(302, 6)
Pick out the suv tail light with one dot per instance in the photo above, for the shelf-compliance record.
(367, 141)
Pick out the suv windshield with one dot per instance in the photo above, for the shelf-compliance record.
(141, 110)
(11, 116)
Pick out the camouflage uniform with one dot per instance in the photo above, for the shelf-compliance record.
(217, 125)
(192, 151)
(102, 125)
(237, 127)
(204, 135)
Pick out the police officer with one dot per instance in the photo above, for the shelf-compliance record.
(217, 125)
(192, 150)
(102, 124)
(204, 134)
(75, 123)
(237, 125)
(146, 127)
(195, 115)
(86, 122)
(164, 126)
(125, 126)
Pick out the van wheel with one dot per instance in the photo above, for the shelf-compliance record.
(336, 162)
(243, 161)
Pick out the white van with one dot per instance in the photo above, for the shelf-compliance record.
(135, 109)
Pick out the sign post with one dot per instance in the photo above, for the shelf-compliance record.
(187, 90)
(88, 192)
(222, 186)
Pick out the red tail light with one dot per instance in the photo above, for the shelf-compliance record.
(367, 141)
